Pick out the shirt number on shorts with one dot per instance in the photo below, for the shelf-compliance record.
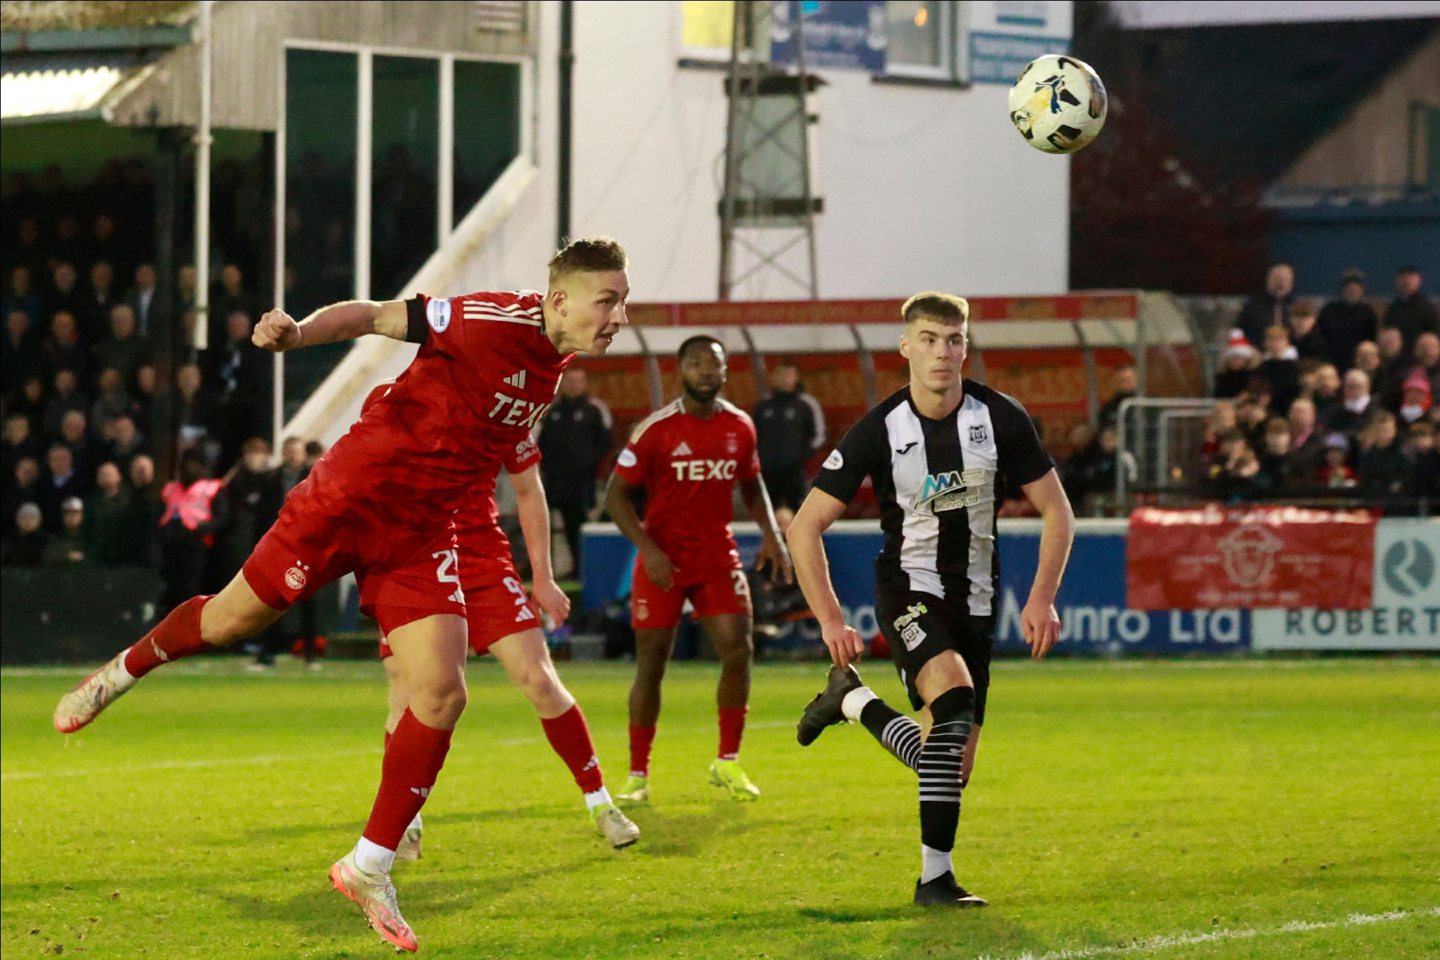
(521, 599)
(742, 586)
(447, 571)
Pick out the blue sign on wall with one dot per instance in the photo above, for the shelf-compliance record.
(1091, 601)
(999, 57)
(839, 34)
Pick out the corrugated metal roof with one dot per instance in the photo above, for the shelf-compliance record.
(52, 87)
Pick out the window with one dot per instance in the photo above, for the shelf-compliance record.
(405, 170)
(320, 124)
(487, 128)
(922, 40)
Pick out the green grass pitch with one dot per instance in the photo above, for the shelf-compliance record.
(1134, 809)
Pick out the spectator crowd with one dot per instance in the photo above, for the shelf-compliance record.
(1336, 402)
(124, 445)
(106, 400)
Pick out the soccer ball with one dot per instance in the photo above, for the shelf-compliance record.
(1058, 104)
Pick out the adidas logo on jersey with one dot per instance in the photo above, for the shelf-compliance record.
(516, 380)
(681, 451)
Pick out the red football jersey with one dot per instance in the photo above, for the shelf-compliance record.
(483, 378)
(688, 467)
(477, 521)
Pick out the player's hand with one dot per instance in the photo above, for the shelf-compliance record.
(277, 331)
(552, 600)
(658, 568)
(843, 642)
(774, 555)
(1042, 627)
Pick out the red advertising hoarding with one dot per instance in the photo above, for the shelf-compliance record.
(1249, 557)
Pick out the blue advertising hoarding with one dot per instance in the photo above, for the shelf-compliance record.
(839, 34)
(1091, 600)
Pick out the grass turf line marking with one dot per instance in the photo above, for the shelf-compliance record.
(1150, 944)
(163, 765)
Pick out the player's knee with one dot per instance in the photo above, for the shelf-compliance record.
(438, 700)
(224, 626)
(957, 703)
(737, 654)
(542, 687)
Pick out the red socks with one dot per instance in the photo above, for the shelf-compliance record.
(569, 736)
(732, 727)
(413, 758)
(641, 740)
(178, 635)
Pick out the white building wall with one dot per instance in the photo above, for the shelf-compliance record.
(925, 186)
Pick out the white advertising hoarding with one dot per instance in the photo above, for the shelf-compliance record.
(1406, 607)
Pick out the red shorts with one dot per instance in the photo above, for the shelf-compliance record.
(724, 591)
(496, 605)
(403, 575)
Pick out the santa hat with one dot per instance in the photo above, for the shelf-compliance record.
(1418, 381)
(1238, 346)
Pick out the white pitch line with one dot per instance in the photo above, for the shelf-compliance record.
(1151, 944)
(182, 765)
(163, 765)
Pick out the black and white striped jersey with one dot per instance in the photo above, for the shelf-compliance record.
(936, 483)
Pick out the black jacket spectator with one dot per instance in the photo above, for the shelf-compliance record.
(111, 401)
(107, 520)
(575, 435)
(67, 545)
(67, 398)
(1264, 310)
(23, 485)
(789, 427)
(99, 299)
(241, 374)
(64, 350)
(141, 299)
(1347, 322)
(62, 482)
(146, 509)
(1280, 369)
(1307, 442)
(87, 453)
(65, 293)
(1411, 312)
(19, 441)
(126, 349)
(1383, 466)
(125, 443)
(227, 297)
(187, 408)
(1309, 342)
(27, 547)
(1238, 361)
(252, 498)
(20, 294)
(22, 354)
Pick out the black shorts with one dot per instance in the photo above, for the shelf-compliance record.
(918, 626)
(786, 489)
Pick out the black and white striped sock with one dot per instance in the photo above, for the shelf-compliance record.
(941, 769)
(895, 731)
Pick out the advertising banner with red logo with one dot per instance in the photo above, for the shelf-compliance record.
(1249, 557)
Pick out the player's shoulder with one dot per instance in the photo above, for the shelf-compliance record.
(875, 417)
(996, 400)
(656, 420)
(729, 409)
(523, 307)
